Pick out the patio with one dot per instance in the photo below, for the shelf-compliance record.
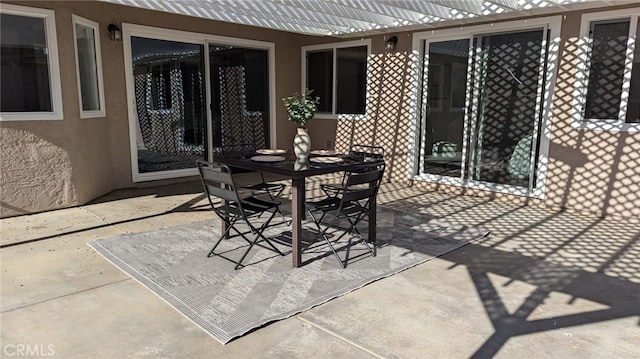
(545, 283)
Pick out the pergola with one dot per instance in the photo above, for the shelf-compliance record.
(351, 18)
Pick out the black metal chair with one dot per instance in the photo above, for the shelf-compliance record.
(217, 181)
(352, 203)
(273, 190)
(366, 152)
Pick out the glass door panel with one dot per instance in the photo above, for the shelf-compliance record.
(169, 104)
(239, 96)
(509, 68)
(444, 113)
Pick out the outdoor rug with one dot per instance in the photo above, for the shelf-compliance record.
(228, 303)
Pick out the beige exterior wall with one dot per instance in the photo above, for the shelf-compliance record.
(55, 164)
(590, 171)
(593, 171)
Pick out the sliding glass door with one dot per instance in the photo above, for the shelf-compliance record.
(190, 94)
(444, 110)
(484, 101)
(509, 68)
(169, 104)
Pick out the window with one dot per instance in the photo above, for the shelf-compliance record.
(88, 67)
(29, 61)
(337, 73)
(608, 92)
(320, 78)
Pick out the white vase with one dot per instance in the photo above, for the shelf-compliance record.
(301, 164)
(302, 143)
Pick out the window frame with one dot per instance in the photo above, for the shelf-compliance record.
(333, 47)
(78, 20)
(582, 73)
(55, 86)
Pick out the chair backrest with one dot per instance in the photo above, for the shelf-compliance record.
(217, 181)
(364, 175)
(359, 194)
(373, 177)
(358, 150)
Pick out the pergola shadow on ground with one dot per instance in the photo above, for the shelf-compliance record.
(570, 277)
(555, 253)
(492, 270)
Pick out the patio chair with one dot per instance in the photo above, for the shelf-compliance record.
(366, 151)
(217, 181)
(352, 203)
(273, 190)
(369, 153)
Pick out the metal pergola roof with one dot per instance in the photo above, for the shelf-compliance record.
(350, 18)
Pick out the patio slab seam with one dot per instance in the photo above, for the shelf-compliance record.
(336, 335)
(64, 296)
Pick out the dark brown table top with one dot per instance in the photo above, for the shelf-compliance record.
(291, 167)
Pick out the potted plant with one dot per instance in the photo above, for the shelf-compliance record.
(300, 109)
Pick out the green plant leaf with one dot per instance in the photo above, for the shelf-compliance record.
(301, 107)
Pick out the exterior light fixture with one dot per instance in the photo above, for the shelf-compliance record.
(114, 32)
(390, 45)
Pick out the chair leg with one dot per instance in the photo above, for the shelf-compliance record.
(261, 230)
(224, 235)
(324, 236)
(366, 243)
(284, 219)
(278, 192)
(258, 233)
(352, 228)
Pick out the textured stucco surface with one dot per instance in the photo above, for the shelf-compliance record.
(39, 169)
(74, 160)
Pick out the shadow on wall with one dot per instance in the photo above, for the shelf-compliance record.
(594, 171)
(36, 174)
(387, 113)
(587, 170)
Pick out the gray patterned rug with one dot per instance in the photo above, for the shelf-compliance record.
(226, 303)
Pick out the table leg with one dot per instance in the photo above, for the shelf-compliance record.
(297, 214)
(372, 216)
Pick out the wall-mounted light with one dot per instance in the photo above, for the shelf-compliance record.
(390, 45)
(114, 32)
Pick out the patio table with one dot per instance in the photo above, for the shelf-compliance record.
(298, 170)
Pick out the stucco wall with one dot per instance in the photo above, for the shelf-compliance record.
(61, 163)
(593, 171)
(54, 164)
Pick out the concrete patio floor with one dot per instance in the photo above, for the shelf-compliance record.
(545, 284)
